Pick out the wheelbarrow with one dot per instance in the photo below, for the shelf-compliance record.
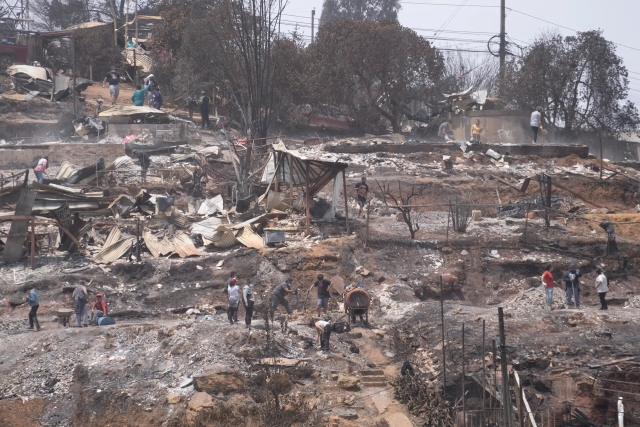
(64, 314)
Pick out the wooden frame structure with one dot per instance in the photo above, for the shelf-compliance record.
(310, 174)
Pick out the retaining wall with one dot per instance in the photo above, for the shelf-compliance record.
(27, 156)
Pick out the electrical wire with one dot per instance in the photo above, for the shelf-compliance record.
(453, 15)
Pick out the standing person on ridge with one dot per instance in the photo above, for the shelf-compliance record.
(547, 279)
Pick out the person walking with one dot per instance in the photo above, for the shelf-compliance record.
(536, 123)
(323, 293)
(113, 78)
(34, 302)
(571, 279)
(248, 299)
(233, 300)
(278, 296)
(80, 299)
(547, 279)
(204, 109)
(362, 190)
(602, 286)
(40, 168)
(475, 132)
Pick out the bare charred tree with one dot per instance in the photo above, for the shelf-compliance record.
(464, 71)
(580, 81)
(402, 202)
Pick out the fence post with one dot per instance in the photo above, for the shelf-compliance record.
(526, 223)
(366, 234)
(448, 218)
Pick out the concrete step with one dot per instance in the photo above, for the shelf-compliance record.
(372, 379)
(375, 384)
(372, 372)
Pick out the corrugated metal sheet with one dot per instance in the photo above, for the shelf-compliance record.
(49, 205)
(33, 72)
(179, 220)
(223, 238)
(184, 246)
(156, 246)
(113, 252)
(206, 228)
(66, 170)
(114, 235)
(211, 206)
(250, 238)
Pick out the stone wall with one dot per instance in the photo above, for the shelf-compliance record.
(27, 156)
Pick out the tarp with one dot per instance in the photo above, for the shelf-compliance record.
(128, 110)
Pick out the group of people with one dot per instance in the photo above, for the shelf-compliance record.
(112, 78)
(571, 278)
(80, 306)
(278, 298)
(80, 297)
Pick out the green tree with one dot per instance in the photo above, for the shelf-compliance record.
(372, 69)
(359, 10)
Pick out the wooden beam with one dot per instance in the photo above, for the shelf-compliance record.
(68, 233)
(524, 399)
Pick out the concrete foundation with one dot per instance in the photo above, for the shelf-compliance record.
(27, 156)
(546, 150)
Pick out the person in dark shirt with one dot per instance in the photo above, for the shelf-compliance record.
(113, 78)
(278, 296)
(323, 293)
(204, 109)
(362, 190)
(157, 99)
(145, 162)
(571, 279)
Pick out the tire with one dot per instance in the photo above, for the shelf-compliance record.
(6, 61)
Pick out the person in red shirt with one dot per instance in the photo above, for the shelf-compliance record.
(547, 279)
(99, 309)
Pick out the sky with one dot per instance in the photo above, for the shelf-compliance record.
(471, 25)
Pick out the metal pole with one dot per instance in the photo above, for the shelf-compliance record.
(444, 359)
(503, 46)
(448, 217)
(495, 377)
(484, 374)
(308, 223)
(526, 223)
(506, 397)
(33, 244)
(75, 73)
(366, 242)
(138, 258)
(346, 206)
(601, 153)
(464, 397)
(313, 22)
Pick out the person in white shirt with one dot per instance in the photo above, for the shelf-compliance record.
(233, 299)
(602, 286)
(536, 123)
(248, 300)
(324, 328)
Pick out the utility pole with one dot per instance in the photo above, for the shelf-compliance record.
(506, 396)
(313, 22)
(503, 45)
(135, 62)
(444, 360)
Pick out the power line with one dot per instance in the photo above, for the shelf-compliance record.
(447, 4)
(566, 28)
(453, 15)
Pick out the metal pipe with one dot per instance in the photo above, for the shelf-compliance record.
(464, 397)
(444, 359)
(484, 374)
